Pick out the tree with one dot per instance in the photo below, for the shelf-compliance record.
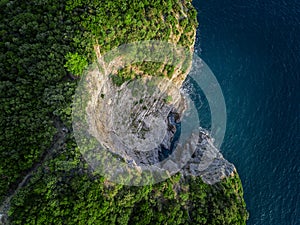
(76, 63)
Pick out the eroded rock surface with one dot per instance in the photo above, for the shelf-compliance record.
(137, 123)
(208, 162)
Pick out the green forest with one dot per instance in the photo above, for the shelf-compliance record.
(45, 46)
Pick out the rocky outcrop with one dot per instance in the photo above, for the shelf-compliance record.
(208, 162)
(138, 121)
(133, 120)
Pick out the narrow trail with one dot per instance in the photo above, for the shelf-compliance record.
(58, 141)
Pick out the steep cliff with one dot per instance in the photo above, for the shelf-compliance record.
(45, 47)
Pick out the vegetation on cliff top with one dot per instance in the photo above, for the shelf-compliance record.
(44, 46)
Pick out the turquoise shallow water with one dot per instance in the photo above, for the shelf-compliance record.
(253, 48)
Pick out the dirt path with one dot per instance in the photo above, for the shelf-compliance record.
(58, 141)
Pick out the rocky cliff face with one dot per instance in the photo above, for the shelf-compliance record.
(208, 162)
(139, 120)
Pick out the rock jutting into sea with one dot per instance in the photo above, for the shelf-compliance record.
(140, 121)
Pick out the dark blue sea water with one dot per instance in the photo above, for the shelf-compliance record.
(253, 48)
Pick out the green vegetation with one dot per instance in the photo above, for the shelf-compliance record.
(75, 63)
(168, 99)
(44, 46)
(34, 88)
(63, 192)
(112, 23)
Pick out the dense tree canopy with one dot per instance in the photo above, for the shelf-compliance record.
(45, 45)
